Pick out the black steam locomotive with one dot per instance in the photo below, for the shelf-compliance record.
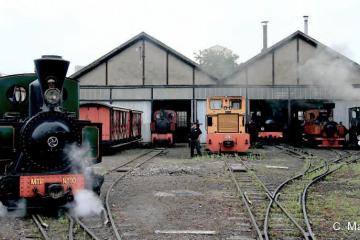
(266, 128)
(41, 137)
(163, 127)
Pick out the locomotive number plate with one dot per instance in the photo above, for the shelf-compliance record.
(29, 183)
(36, 181)
(69, 180)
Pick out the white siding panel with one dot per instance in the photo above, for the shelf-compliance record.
(203, 93)
(201, 115)
(94, 94)
(341, 111)
(145, 107)
(173, 93)
(128, 94)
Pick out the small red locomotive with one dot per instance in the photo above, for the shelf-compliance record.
(163, 127)
(320, 130)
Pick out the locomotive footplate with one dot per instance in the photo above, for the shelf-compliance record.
(273, 135)
(331, 142)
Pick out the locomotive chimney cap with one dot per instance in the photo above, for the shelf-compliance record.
(51, 56)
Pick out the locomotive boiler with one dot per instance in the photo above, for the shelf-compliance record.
(163, 127)
(39, 127)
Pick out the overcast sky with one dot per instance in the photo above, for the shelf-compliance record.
(83, 30)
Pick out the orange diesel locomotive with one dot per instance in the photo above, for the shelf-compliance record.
(226, 125)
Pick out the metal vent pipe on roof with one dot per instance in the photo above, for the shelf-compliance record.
(306, 21)
(264, 24)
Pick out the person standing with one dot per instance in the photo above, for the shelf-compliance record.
(194, 136)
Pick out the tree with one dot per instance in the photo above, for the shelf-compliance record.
(218, 61)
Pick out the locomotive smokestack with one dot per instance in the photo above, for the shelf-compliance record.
(264, 24)
(51, 71)
(306, 21)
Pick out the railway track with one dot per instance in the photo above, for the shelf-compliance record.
(105, 227)
(260, 199)
(331, 167)
(291, 194)
(64, 227)
(92, 227)
(256, 195)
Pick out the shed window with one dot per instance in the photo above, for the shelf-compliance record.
(181, 120)
(215, 104)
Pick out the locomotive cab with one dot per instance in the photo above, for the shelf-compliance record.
(226, 125)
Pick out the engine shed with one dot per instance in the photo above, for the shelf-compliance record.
(147, 75)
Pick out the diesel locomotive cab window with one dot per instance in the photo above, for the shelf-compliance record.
(16, 94)
(209, 121)
(236, 104)
(216, 104)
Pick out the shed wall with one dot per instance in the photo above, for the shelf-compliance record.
(260, 72)
(126, 68)
(95, 76)
(180, 73)
(155, 65)
(285, 64)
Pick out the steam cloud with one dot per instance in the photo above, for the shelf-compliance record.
(20, 210)
(86, 203)
(3, 210)
(332, 72)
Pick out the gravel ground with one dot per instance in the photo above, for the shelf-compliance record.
(175, 193)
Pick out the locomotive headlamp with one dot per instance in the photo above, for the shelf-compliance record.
(358, 137)
(52, 96)
(262, 128)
